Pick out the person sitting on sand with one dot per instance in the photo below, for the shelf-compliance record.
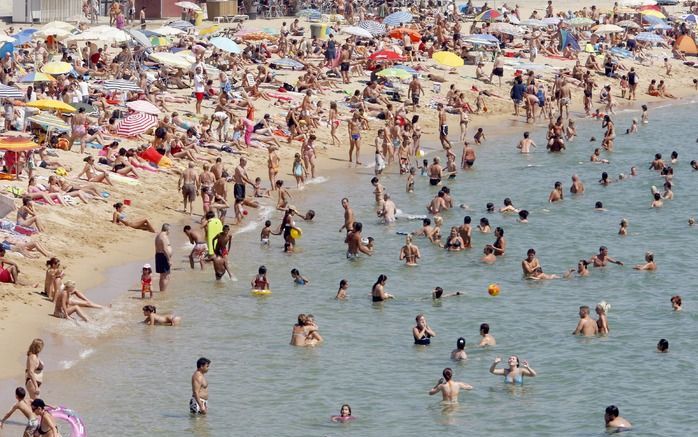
(63, 308)
(152, 318)
(26, 215)
(119, 217)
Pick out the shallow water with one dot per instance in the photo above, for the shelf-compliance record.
(135, 379)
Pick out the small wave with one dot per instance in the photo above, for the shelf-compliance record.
(251, 226)
(67, 364)
(265, 212)
(317, 180)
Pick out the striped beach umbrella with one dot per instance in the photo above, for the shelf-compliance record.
(10, 92)
(37, 77)
(143, 106)
(649, 37)
(121, 85)
(481, 39)
(157, 41)
(397, 18)
(16, 143)
(136, 124)
(374, 27)
(48, 121)
(357, 31)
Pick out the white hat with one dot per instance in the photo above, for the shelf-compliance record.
(147, 266)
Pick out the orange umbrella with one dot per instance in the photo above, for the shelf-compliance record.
(14, 143)
(400, 32)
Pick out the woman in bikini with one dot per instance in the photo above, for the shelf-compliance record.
(33, 373)
(515, 373)
(119, 217)
(78, 129)
(26, 215)
(378, 293)
(47, 423)
(36, 193)
(92, 174)
(122, 166)
(409, 252)
(334, 123)
(454, 243)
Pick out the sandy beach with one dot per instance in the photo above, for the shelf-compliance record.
(88, 244)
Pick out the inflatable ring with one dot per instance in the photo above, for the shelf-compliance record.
(296, 233)
(256, 292)
(77, 427)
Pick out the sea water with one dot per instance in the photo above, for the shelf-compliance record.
(135, 380)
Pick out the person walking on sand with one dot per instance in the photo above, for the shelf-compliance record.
(449, 389)
(163, 254)
(198, 404)
(188, 184)
(415, 91)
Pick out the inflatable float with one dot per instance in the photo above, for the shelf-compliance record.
(213, 228)
(256, 292)
(77, 426)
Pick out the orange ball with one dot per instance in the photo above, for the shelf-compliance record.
(493, 289)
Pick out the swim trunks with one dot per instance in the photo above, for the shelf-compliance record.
(434, 181)
(344, 66)
(162, 263)
(355, 137)
(444, 130)
(199, 96)
(498, 71)
(469, 162)
(200, 250)
(189, 190)
(239, 192)
(415, 99)
(193, 405)
(32, 425)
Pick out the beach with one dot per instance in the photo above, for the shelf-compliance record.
(89, 246)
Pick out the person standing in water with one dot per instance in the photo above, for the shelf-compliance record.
(613, 419)
(449, 389)
(487, 338)
(515, 373)
(458, 354)
(422, 333)
(163, 254)
(410, 252)
(198, 404)
(586, 326)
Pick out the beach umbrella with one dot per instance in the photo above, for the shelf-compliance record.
(397, 73)
(659, 26)
(357, 31)
(505, 28)
(140, 38)
(188, 5)
(259, 36)
(408, 69)
(10, 92)
(58, 32)
(400, 32)
(649, 37)
(628, 24)
(49, 104)
(24, 36)
(551, 21)
(580, 22)
(226, 44)
(607, 28)
(121, 85)
(482, 39)
(143, 106)
(49, 121)
(89, 109)
(635, 3)
(374, 27)
(170, 59)
(157, 41)
(209, 30)
(384, 55)
(167, 31)
(103, 34)
(690, 18)
(308, 13)
(287, 62)
(37, 77)
(532, 22)
(397, 18)
(6, 38)
(16, 143)
(180, 24)
(651, 20)
(488, 15)
(58, 25)
(136, 124)
(447, 58)
(653, 13)
(57, 68)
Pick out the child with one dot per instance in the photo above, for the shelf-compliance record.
(152, 318)
(624, 86)
(260, 191)
(343, 287)
(633, 127)
(298, 171)
(410, 180)
(298, 279)
(571, 130)
(424, 168)
(266, 233)
(645, 115)
(146, 280)
(380, 162)
(480, 105)
(260, 282)
(479, 136)
(25, 408)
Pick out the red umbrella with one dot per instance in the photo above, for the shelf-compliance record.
(136, 124)
(384, 55)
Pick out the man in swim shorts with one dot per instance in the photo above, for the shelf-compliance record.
(200, 249)
(240, 179)
(198, 404)
(188, 184)
(443, 128)
(414, 91)
(354, 242)
(163, 253)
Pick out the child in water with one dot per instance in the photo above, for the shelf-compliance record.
(152, 318)
(343, 287)
(146, 281)
(298, 279)
(380, 162)
(410, 180)
(298, 171)
(260, 282)
(479, 136)
(266, 233)
(23, 406)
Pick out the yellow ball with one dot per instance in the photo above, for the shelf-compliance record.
(296, 233)
(493, 289)
(420, 153)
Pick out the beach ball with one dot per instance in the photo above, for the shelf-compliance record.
(296, 233)
(244, 212)
(420, 153)
(493, 289)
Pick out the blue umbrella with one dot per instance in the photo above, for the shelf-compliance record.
(8, 47)
(287, 62)
(649, 37)
(374, 27)
(24, 36)
(691, 18)
(651, 19)
(397, 18)
(226, 44)
(659, 26)
(406, 68)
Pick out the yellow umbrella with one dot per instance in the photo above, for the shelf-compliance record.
(171, 60)
(394, 72)
(653, 13)
(51, 104)
(17, 143)
(57, 68)
(209, 30)
(447, 58)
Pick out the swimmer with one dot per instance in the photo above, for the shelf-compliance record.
(515, 373)
(487, 338)
(200, 249)
(438, 293)
(676, 303)
(458, 354)
(614, 420)
(602, 259)
(344, 414)
(389, 209)
(499, 246)
(409, 252)
(663, 346)
(523, 216)
(488, 257)
(645, 115)
(596, 157)
(577, 186)
(530, 264)
(556, 195)
(260, 281)
(198, 404)
(602, 309)
(526, 143)
(152, 318)
(649, 263)
(378, 293)
(265, 234)
(633, 127)
(598, 206)
(657, 201)
(623, 231)
(691, 221)
(582, 269)
(342, 292)
(348, 216)
(508, 207)
(422, 333)
(355, 242)
(586, 326)
(449, 388)
(299, 279)
(489, 207)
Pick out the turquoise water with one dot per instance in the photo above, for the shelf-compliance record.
(136, 380)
